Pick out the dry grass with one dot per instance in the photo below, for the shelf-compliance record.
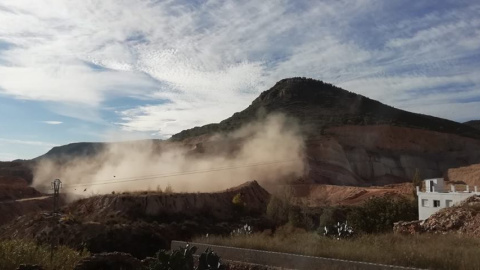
(423, 251)
(16, 252)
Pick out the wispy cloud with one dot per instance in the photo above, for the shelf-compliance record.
(26, 142)
(52, 122)
(211, 59)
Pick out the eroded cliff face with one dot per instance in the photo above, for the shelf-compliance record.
(157, 205)
(377, 155)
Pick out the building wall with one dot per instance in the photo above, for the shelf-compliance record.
(426, 206)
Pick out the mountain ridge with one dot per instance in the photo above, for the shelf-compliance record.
(319, 105)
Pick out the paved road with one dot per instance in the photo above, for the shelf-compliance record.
(286, 260)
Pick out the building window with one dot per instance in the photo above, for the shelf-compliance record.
(425, 202)
(436, 203)
(448, 203)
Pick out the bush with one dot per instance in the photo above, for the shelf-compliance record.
(378, 214)
(182, 259)
(16, 252)
(238, 203)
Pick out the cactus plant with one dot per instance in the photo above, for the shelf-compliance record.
(182, 259)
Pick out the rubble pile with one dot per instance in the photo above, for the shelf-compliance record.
(463, 218)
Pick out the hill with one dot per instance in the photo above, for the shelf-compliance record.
(348, 139)
(353, 140)
(473, 123)
(319, 105)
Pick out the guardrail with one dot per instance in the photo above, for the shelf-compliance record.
(286, 260)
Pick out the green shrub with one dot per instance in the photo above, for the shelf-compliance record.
(378, 214)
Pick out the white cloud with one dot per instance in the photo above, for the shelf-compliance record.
(52, 122)
(27, 142)
(211, 59)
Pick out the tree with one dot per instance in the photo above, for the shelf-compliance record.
(417, 182)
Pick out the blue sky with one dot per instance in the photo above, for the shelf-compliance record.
(115, 70)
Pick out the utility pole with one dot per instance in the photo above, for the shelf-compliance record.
(56, 185)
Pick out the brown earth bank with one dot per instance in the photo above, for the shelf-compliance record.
(463, 218)
(332, 195)
(469, 175)
(141, 224)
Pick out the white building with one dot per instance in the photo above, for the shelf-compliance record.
(436, 197)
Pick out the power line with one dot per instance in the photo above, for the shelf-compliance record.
(157, 176)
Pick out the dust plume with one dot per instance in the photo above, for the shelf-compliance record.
(268, 150)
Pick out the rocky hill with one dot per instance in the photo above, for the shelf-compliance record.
(318, 105)
(349, 139)
(354, 140)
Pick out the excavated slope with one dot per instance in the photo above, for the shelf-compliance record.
(470, 175)
(218, 204)
(141, 224)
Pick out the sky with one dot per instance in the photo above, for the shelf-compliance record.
(113, 70)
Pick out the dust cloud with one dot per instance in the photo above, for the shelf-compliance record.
(268, 150)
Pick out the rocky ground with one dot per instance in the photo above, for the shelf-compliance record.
(463, 218)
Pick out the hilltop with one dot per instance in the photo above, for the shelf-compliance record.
(319, 105)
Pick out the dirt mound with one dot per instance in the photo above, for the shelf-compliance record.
(463, 218)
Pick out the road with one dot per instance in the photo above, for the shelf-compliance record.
(28, 199)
